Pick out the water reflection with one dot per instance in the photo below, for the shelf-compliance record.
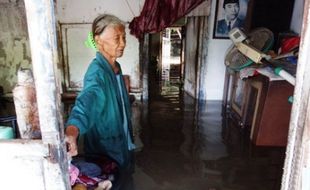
(181, 148)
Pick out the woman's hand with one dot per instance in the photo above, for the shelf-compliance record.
(71, 145)
(72, 133)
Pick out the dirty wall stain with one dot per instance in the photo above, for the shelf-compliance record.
(15, 56)
(14, 43)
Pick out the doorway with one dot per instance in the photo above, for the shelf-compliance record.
(166, 60)
(171, 54)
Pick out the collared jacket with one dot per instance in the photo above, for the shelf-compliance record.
(98, 113)
(222, 27)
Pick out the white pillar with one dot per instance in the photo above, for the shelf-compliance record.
(42, 35)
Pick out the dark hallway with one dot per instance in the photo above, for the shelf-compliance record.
(181, 147)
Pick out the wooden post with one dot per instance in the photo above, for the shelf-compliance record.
(202, 59)
(42, 35)
(297, 162)
(145, 66)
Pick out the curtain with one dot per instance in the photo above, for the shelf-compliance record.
(159, 14)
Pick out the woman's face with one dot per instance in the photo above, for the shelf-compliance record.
(112, 41)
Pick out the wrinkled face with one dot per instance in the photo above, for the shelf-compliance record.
(112, 41)
(231, 10)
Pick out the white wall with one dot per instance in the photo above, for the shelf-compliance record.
(215, 62)
(298, 11)
(81, 11)
(77, 11)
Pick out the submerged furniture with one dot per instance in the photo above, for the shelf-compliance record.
(258, 108)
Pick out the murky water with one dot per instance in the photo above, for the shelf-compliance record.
(180, 147)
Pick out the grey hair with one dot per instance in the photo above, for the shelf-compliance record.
(104, 20)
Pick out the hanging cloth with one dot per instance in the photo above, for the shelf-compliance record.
(159, 14)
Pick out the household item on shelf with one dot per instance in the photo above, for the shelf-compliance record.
(253, 51)
(243, 52)
(10, 121)
(6, 132)
(25, 101)
(259, 104)
(289, 78)
(289, 44)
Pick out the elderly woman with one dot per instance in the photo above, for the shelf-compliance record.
(102, 111)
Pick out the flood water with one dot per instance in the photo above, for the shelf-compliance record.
(180, 146)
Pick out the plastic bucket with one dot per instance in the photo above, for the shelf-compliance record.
(6, 132)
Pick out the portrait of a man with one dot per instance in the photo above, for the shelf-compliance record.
(230, 14)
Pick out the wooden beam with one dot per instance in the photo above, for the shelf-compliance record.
(296, 166)
(42, 35)
(23, 148)
(145, 66)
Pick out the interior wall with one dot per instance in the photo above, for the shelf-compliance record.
(14, 42)
(215, 71)
(70, 12)
(298, 12)
(14, 45)
(80, 11)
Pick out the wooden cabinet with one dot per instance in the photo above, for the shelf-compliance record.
(271, 110)
(260, 108)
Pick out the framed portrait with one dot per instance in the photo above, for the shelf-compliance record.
(228, 15)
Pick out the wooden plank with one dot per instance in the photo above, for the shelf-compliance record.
(199, 64)
(145, 66)
(204, 56)
(305, 164)
(294, 174)
(20, 148)
(22, 173)
(22, 160)
(191, 51)
(42, 35)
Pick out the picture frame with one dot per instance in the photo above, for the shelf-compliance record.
(220, 29)
(238, 95)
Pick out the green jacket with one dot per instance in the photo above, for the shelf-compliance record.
(98, 113)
